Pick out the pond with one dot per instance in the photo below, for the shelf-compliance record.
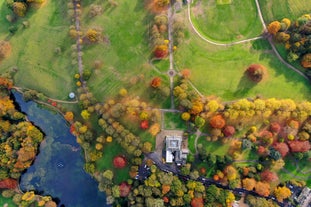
(58, 168)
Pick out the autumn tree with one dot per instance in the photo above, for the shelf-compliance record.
(185, 73)
(268, 176)
(156, 82)
(282, 148)
(299, 146)
(161, 51)
(274, 27)
(255, 72)
(69, 116)
(262, 188)
(119, 161)
(93, 35)
(185, 116)
(282, 193)
(249, 183)
(306, 61)
(229, 131)
(217, 122)
(19, 8)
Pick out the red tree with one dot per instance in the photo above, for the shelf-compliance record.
(217, 122)
(8, 183)
(161, 51)
(197, 202)
(119, 161)
(255, 72)
(262, 150)
(185, 73)
(269, 176)
(275, 127)
(125, 189)
(144, 124)
(229, 131)
(282, 148)
(156, 82)
(299, 146)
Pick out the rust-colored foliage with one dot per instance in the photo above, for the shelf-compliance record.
(255, 72)
(262, 188)
(299, 146)
(8, 183)
(161, 51)
(306, 61)
(217, 122)
(282, 148)
(269, 176)
(119, 162)
(125, 189)
(144, 124)
(156, 82)
(197, 202)
(275, 127)
(229, 131)
(185, 73)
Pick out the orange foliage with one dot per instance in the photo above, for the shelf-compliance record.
(262, 188)
(165, 189)
(282, 193)
(249, 183)
(156, 82)
(217, 122)
(6, 82)
(306, 61)
(274, 27)
(197, 107)
(69, 116)
(8, 183)
(197, 202)
(185, 73)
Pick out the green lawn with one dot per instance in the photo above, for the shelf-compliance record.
(125, 53)
(111, 150)
(6, 200)
(237, 20)
(220, 71)
(216, 148)
(279, 9)
(174, 121)
(33, 49)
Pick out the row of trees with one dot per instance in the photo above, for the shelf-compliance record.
(296, 36)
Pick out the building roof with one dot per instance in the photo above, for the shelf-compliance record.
(173, 143)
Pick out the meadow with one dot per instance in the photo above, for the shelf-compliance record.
(279, 9)
(34, 48)
(226, 22)
(220, 71)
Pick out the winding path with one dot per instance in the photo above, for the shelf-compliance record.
(247, 40)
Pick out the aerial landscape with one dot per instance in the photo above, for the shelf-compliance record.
(154, 103)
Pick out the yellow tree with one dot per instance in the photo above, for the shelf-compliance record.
(274, 27)
(282, 193)
(85, 114)
(249, 183)
(185, 116)
(19, 8)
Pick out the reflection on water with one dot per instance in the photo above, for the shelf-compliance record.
(58, 169)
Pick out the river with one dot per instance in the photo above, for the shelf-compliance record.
(58, 168)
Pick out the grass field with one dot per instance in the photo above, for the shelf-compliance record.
(173, 121)
(111, 150)
(125, 53)
(6, 200)
(279, 9)
(220, 71)
(226, 22)
(216, 148)
(33, 49)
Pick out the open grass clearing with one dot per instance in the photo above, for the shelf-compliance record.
(8, 201)
(220, 71)
(125, 53)
(216, 148)
(33, 50)
(174, 121)
(279, 9)
(226, 21)
(106, 162)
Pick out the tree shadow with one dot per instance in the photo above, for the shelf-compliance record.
(244, 86)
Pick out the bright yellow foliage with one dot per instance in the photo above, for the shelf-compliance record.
(274, 27)
(154, 129)
(282, 193)
(185, 116)
(28, 196)
(109, 139)
(85, 114)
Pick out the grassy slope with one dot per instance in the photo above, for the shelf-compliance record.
(6, 200)
(279, 9)
(127, 53)
(33, 50)
(220, 70)
(235, 21)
